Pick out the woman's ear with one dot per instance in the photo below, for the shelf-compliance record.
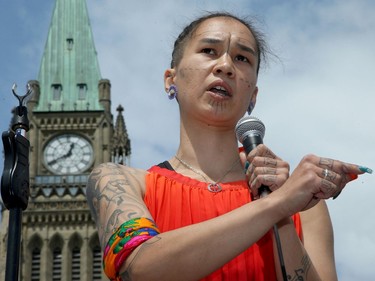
(253, 99)
(169, 78)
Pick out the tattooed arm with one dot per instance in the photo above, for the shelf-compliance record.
(313, 257)
(114, 195)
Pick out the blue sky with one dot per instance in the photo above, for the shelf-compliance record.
(316, 97)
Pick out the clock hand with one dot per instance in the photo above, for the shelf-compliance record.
(70, 150)
(54, 161)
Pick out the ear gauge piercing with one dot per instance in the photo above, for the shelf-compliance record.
(250, 108)
(172, 92)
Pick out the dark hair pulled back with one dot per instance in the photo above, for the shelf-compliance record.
(188, 31)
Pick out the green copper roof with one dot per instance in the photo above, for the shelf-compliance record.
(69, 72)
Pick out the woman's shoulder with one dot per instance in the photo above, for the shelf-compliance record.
(129, 176)
(118, 169)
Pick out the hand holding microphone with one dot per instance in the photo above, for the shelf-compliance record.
(313, 179)
(266, 171)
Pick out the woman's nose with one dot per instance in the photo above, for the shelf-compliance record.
(224, 66)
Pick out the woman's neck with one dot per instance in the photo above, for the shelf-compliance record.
(211, 150)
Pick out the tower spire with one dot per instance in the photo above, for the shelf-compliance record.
(69, 72)
(121, 143)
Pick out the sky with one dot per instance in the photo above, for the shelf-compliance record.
(316, 93)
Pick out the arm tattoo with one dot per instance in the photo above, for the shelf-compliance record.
(110, 228)
(92, 192)
(107, 194)
(300, 274)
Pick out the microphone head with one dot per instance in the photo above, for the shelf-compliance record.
(249, 125)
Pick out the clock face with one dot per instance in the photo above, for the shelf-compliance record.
(68, 154)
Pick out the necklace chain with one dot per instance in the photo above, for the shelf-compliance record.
(212, 186)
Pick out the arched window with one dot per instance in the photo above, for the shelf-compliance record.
(76, 267)
(56, 264)
(34, 257)
(74, 259)
(54, 261)
(96, 263)
(96, 258)
(35, 264)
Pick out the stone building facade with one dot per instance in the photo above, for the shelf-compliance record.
(72, 130)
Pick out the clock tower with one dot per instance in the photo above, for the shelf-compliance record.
(71, 131)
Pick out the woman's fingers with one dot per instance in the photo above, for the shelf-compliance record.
(325, 177)
(267, 172)
(329, 176)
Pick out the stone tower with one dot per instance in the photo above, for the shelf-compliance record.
(71, 131)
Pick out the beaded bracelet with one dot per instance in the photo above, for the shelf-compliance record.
(122, 243)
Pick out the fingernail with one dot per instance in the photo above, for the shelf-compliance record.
(337, 195)
(247, 164)
(353, 176)
(365, 169)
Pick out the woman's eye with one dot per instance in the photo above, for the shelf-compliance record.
(242, 58)
(208, 51)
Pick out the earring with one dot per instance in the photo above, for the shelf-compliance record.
(250, 108)
(172, 92)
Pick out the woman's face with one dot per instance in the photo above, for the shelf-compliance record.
(216, 77)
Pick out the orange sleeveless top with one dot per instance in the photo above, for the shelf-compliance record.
(175, 201)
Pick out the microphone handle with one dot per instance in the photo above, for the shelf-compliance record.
(250, 143)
